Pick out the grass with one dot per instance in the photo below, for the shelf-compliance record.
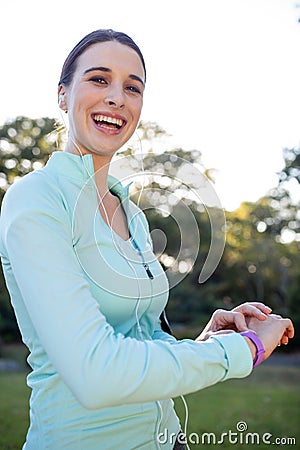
(268, 401)
(13, 410)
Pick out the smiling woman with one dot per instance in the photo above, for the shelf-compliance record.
(87, 289)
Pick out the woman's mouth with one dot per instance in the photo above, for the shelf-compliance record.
(107, 122)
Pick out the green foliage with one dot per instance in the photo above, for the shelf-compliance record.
(286, 221)
(291, 171)
(265, 265)
(25, 145)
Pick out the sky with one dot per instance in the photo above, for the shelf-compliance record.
(222, 75)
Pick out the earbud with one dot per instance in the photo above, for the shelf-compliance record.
(62, 102)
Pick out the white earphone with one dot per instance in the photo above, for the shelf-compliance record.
(61, 99)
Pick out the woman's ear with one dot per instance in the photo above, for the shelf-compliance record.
(62, 103)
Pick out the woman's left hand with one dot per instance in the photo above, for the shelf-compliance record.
(223, 321)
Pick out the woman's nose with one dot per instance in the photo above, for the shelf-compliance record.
(115, 98)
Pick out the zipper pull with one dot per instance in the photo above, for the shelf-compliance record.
(149, 273)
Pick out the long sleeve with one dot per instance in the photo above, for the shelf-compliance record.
(100, 367)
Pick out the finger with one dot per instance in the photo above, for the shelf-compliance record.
(250, 310)
(284, 340)
(240, 322)
(290, 332)
(289, 328)
(259, 305)
(209, 334)
(221, 332)
(262, 307)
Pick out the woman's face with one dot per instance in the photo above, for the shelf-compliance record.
(105, 97)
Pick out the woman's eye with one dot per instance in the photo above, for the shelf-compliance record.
(134, 89)
(98, 80)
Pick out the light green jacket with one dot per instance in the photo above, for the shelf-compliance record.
(103, 372)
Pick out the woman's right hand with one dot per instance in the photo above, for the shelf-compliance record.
(273, 331)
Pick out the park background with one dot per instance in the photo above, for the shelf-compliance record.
(222, 95)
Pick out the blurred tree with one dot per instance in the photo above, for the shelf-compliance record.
(253, 259)
(262, 259)
(291, 170)
(284, 200)
(25, 145)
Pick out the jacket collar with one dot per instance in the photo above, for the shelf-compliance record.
(72, 166)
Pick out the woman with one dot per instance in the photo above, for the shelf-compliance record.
(87, 290)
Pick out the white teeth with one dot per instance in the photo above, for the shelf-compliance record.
(101, 118)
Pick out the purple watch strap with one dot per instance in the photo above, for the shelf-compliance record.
(259, 346)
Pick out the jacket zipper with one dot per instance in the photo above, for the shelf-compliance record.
(146, 266)
(148, 271)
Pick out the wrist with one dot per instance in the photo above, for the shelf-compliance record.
(256, 347)
(251, 346)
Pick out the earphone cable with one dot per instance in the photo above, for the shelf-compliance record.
(185, 420)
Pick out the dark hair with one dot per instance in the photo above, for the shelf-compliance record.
(70, 63)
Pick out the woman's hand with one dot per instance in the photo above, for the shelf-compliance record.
(223, 321)
(272, 332)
